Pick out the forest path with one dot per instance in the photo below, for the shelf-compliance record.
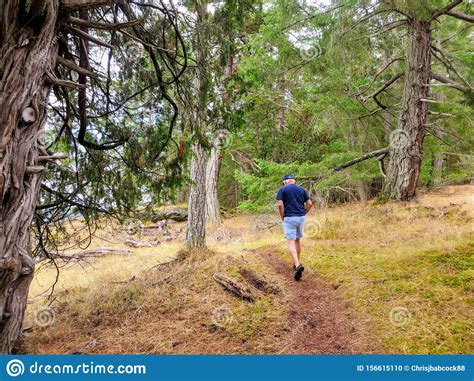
(320, 321)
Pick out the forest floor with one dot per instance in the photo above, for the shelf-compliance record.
(379, 278)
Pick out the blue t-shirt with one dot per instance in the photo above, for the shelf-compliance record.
(294, 198)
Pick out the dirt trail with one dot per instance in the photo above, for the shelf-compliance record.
(320, 320)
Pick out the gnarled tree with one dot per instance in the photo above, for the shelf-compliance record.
(44, 46)
(406, 148)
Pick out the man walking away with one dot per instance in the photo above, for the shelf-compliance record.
(293, 204)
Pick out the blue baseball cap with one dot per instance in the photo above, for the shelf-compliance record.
(288, 176)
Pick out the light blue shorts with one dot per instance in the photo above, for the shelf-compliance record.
(293, 227)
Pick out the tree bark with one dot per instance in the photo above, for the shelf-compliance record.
(213, 213)
(406, 146)
(27, 55)
(196, 227)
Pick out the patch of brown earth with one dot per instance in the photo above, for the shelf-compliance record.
(320, 320)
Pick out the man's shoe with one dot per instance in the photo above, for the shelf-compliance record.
(299, 272)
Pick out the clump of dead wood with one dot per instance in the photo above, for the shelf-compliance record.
(235, 287)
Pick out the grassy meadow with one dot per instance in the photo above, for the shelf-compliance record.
(404, 271)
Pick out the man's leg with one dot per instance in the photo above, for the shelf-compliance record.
(293, 251)
(299, 233)
(298, 248)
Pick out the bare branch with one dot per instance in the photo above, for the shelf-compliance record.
(63, 82)
(381, 164)
(385, 86)
(75, 5)
(429, 100)
(449, 82)
(439, 113)
(52, 157)
(87, 36)
(447, 63)
(461, 16)
(385, 29)
(98, 25)
(378, 73)
(73, 66)
(445, 9)
(369, 155)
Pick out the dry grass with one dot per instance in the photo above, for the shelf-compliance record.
(415, 261)
(153, 313)
(417, 257)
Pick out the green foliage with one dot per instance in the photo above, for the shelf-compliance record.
(329, 116)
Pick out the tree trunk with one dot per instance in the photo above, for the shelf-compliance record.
(406, 145)
(196, 228)
(213, 213)
(26, 55)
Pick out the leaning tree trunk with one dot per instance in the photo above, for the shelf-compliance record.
(27, 54)
(213, 213)
(406, 145)
(196, 228)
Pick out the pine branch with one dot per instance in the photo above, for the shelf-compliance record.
(385, 86)
(380, 154)
(445, 9)
(385, 29)
(378, 73)
(461, 16)
(450, 82)
(447, 63)
(369, 155)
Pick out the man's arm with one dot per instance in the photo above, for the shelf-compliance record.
(308, 205)
(281, 209)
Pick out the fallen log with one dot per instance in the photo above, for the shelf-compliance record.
(235, 287)
(170, 214)
(137, 244)
(95, 253)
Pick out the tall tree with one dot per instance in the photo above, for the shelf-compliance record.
(217, 35)
(406, 149)
(196, 226)
(346, 67)
(39, 43)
